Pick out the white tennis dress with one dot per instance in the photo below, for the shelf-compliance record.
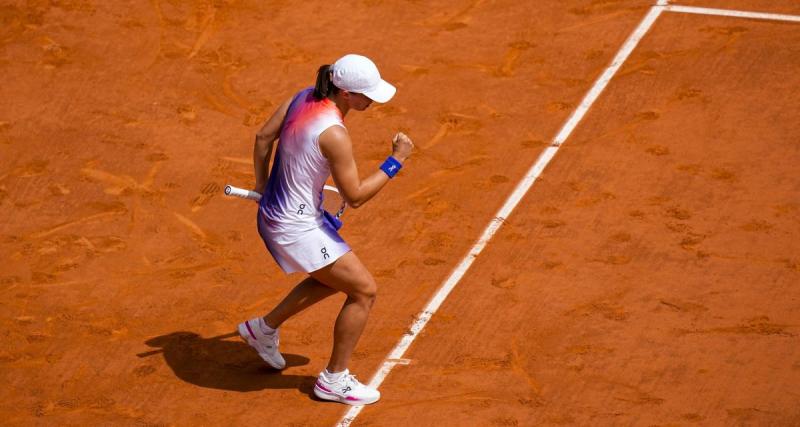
(290, 219)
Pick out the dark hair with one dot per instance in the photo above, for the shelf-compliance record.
(324, 87)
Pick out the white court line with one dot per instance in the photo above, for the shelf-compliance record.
(733, 13)
(513, 200)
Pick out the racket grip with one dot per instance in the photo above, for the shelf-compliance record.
(241, 193)
(333, 220)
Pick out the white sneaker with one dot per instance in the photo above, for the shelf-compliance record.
(347, 389)
(265, 345)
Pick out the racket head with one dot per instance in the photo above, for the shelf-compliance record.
(332, 201)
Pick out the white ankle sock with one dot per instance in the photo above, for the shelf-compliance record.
(265, 329)
(332, 377)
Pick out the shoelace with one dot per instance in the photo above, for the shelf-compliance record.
(348, 379)
(272, 337)
(351, 379)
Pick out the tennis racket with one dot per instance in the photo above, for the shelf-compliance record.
(242, 193)
(333, 204)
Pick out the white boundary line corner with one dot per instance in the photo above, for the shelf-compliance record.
(513, 200)
(732, 13)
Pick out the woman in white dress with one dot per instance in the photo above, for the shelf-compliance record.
(313, 145)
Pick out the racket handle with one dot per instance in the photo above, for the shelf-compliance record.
(241, 193)
(333, 220)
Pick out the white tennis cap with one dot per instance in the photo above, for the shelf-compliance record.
(356, 73)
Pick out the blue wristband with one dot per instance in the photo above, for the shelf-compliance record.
(391, 166)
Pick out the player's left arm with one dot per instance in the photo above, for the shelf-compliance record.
(265, 142)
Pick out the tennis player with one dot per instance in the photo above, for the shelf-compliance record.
(314, 144)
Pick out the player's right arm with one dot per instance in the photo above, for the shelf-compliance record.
(265, 141)
(337, 147)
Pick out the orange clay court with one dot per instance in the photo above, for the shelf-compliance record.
(649, 276)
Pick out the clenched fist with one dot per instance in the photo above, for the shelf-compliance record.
(401, 146)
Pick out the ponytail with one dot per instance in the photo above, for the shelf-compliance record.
(324, 88)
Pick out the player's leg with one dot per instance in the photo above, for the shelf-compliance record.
(307, 293)
(262, 333)
(348, 275)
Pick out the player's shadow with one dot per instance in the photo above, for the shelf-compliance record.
(225, 364)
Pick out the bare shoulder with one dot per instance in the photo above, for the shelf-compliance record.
(282, 109)
(335, 142)
(272, 126)
(334, 133)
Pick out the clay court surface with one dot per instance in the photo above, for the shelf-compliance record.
(651, 276)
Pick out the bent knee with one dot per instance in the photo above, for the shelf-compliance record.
(366, 292)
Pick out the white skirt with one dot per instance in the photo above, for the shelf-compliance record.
(309, 252)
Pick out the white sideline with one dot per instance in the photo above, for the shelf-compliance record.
(733, 13)
(513, 200)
